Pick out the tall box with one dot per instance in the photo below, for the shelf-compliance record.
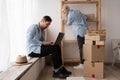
(93, 53)
(93, 70)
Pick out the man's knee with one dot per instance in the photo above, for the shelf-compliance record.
(34, 55)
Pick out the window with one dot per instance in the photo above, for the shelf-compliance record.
(15, 18)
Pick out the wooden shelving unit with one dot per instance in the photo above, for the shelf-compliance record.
(97, 21)
(79, 1)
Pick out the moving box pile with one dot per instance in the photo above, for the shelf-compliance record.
(93, 51)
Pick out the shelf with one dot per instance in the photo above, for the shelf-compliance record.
(79, 2)
(94, 18)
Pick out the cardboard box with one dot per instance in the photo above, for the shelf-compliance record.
(91, 42)
(100, 42)
(99, 32)
(93, 70)
(90, 16)
(93, 53)
(95, 37)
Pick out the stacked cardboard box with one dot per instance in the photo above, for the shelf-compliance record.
(94, 50)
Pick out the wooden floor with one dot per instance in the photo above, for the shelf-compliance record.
(111, 73)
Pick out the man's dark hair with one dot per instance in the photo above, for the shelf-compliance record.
(47, 18)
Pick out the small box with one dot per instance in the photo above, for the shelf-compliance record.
(100, 42)
(99, 32)
(90, 16)
(93, 53)
(91, 42)
(93, 70)
(95, 37)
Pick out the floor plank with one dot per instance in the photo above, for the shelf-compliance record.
(110, 72)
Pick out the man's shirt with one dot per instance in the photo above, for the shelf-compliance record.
(77, 21)
(35, 37)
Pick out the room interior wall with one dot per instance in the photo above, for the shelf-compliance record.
(110, 20)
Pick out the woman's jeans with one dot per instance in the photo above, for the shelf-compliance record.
(80, 41)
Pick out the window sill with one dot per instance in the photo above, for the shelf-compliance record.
(15, 72)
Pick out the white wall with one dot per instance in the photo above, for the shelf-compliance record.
(51, 8)
(110, 20)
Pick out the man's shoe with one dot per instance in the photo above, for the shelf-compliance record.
(59, 74)
(65, 71)
(80, 66)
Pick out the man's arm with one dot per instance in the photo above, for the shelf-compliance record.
(32, 37)
(69, 19)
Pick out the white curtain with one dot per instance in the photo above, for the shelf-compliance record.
(15, 18)
(4, 36)
(17, 27)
